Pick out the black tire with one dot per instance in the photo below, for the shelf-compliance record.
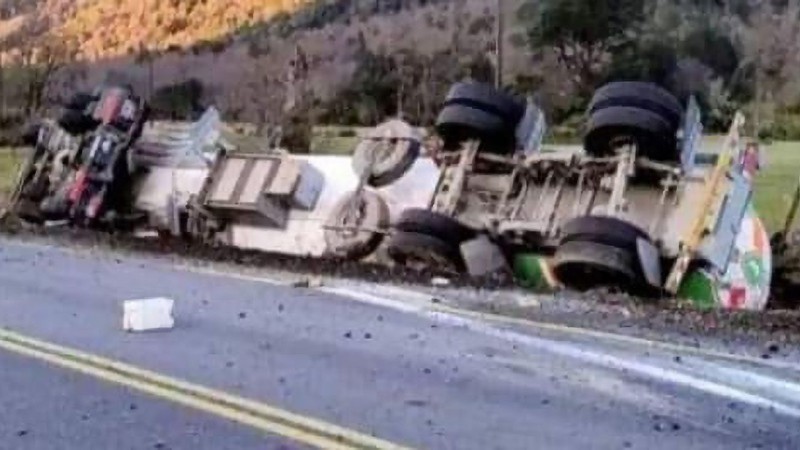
(585, 265)
(459, 123)
(75, 122)
(54, 207)
(602, 230)
(30, 134)
(423, 221)
(359, 245)
(641, 95)
(486, 97)
(383, 179)
(405, 248)
(79, 101)
(35, 186)
(29, 212)
(653, 135)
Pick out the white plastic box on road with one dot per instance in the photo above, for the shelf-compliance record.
(148, 314)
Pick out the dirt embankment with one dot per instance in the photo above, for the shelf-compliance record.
(251, 258)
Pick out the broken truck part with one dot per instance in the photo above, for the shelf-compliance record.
(636, 209)
(80, 169)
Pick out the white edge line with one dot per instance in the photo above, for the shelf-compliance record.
(614, 362)
(604, 360)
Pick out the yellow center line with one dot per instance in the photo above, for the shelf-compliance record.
(258, 415)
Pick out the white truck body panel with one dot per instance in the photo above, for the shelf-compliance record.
(303, 234)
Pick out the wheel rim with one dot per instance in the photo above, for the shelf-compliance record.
(353, 217)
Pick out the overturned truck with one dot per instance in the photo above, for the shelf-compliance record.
(639, 208)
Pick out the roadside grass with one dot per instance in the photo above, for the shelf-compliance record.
(776, 183)
(10, 161)
(335, 140)
(333, 145)
(339, 140)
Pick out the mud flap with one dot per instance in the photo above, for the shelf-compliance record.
(482, 257)
(650, 262)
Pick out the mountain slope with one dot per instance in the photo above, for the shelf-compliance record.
(240, 51)
(104, 29)
(107, 29)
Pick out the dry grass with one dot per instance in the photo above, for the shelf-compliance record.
(10, 160)
(776, 183)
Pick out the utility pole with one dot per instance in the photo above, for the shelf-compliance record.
(151, 76)
(759, 98)
(499, 44)
(757, 80)
(2, 85)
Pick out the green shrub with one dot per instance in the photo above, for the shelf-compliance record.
(11, 130)
(181, 101)
(568, 131)
(786, 127)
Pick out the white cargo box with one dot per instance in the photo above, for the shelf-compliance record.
(148, 314)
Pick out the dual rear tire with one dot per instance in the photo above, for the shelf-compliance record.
(596, 251)
(429, 239)
(634, 112)
(478, 111)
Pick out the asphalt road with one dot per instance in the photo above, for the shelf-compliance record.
(420, 380)
(45, 408)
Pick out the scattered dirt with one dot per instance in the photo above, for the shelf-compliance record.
(770, 330)
(311, 266)
(599, 310)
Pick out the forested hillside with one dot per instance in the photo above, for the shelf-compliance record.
(240, 55)
(355, 61)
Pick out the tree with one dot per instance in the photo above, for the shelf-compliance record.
(3, 98)
(647, 60)
(180, 101)
(297, 122)
(583, 33)
(770, 45)
(144, 55)
(40, 61)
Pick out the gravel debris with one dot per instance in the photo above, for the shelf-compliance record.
(604, 310)
(310, 267)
